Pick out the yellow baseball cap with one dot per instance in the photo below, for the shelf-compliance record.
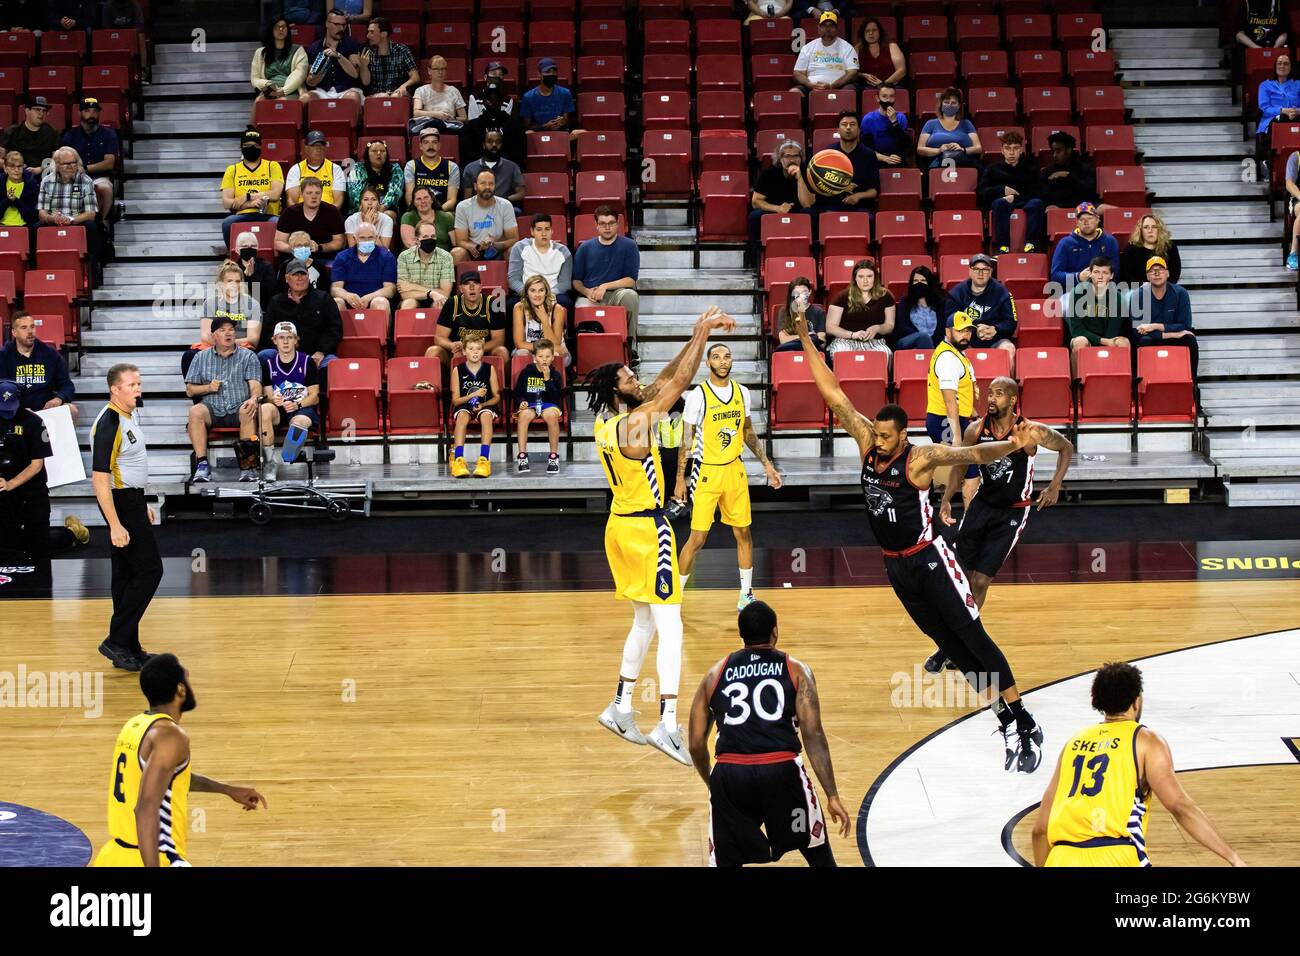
(1155, 261)
(961, 320)
(829, 15)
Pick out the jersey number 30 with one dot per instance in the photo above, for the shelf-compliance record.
(738, 692)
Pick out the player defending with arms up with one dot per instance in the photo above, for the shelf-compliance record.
(639, 542)
(896, 479)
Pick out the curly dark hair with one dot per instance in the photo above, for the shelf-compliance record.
(603, 385)
(1116, 687)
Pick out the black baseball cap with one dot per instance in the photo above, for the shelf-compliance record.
(89, 103)
(221, 321)
(38, 101)
(497, 65)
(250, 136)
(315, 138)
(295, 267)
(468, 276)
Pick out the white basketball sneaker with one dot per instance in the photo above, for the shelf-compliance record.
(622, 724)
(670, 743)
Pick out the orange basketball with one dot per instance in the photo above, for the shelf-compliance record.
(830, 173)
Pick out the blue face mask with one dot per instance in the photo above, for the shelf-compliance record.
(366, 246)
(302, 253)
(950, 110)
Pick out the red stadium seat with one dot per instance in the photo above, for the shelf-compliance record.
(957, 231)
(365, 333)
(1079, 31)
(1046, 392)
(517, 364)
(771, 71)
(17, 49)
(13, 81)
(547, 192)
(407, 32)
(911, 382)
(548, 152)
(602, 73)
(837, 274)
(1091, 67)
(667, 73)
(499, 35)
(992, 105)
(787, 236)
(1110, 145)
(1060, 222)
(824, 106)
(779, 110)
(335, 118)
(1164, 377)
(491, 275)
(844, 234)
(925, 33)
(984, 67)
(282, 149)
(354, 396)
(600, 149)
(796, 402)
(552, 38)
(663, 37)
(724, 207)
(901, 232)
(263, 232)
(991, 140)
(278, 117)
(953, 187)
(1099, 105)
(1023, 273)
(954, 268)
(386, 114)
(107, 82)
(1038, 323)
(1047, 106)
(896, 271)
(1106, 384)
(584, 228)
(663, 110)
(988, 364)
(60, 48)
(606, 112)
(607, 37)
(9, 284)
(413, 329)
(595, 349)
(1122, 185)
(52, 292)
(413, 411)
(1028, 31)
(57, 83)
(720, 38)
(724, 151)
(935, 68)
(303, 34)
(864, 377)
(661, 9)
(15, 250)
(770, 35)
(448, 39)
(1122, 220)
(871, 101)
(719, 109)
(666, 166)
(1038, 136)
(978, 31)
(593, 189)
(766, 142)
(900, 189)
(1038, 67)
(1259, 66)
(532, 74)
(779, 271)
(63, 248)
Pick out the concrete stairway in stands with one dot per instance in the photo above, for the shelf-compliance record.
(1198, 162)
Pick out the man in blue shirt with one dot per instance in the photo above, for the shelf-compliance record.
(885, 129)
(98, 148)
(605, 269)
(334, 70)
(861, 196)
(365, 276)
(548, 106)
(39, 371)
(1074, 252)
(1163, 312)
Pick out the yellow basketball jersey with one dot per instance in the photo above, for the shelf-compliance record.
(1099, 799)
(325, 174)
(721, 435)
(965, 386)
(124, 791)
(637, 485)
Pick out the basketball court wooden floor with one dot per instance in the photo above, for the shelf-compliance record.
(437, 729)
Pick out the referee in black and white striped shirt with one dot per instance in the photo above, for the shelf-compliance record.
(120, 474)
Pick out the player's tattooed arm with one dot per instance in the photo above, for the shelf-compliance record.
(754, 445)
(929, 457)
(677, 375)
(969, 438)
(697, 735)
(683, 458)
(854, 422)
(808, 709)
(1052, 440)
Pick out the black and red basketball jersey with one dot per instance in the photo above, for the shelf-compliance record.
(899, 511)
(754, 707)
(1009, 481)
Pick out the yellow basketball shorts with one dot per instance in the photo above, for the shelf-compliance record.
(1107, 856)
(724, 487)
(642, 554)
(113, 853)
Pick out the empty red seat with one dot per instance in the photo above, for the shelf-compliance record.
(667, 72)
(1080, 31)
(771, 71)
(1122, 220)
(282, 150)
(605, 111)
(61, 248)
(51, 292)
(796, 402)
(608, 345)
(1110, 145)
(988, 364)
(602, 149)
(280, 116)
(1038, 67)
(386, 114)
(724, 207)
(63, 48)
(1046, 391)
(552, 38)
(15, 250)
(844, 234)
(895, 271)
(663, 110)
(935, 68)
(601, 73)
(954, 268)
(773, 110)
(1028, 31)
(991, 105)
(1038, 322)
(448, 39)
(824, 106)
(604, 37)
(911, 382)
(1122, 185)
(17, 49)
(499, 35)
(1106, 384)
(957, 231)
(1099, 105)
(953, 187)
(1091, 67)
(413, 329)
(788, 235)
(341, 112)
(977, 31)
(547, 152)
(984, 67)
(354, 396)
(365, 333)
(57, 83)
(661, 9)
(1047, 106)
(720, 38)
(864, 377)
(411, 410)
(770, 35)
(666, 37)
(1164, 380)
(1060, 222)
(603, 188)
(900, 189)
(724, 151)
(899, 232)
(719, 109)
(666, 165)
(547, 192)
(106, 82)
(925, 33)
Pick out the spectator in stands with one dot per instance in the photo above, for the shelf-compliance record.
(880, 60)
(305, 12)
(291, 383)
(920, 319)
(440, 176)
(539, 317)
(370, 212)
(1150, 238)
(22, 187)
(319, 219)
(468, 311)
(497, 114)
(475, 395)
(387, 67)
(950, 135)
(776, 191)
(1162, 310)
(1096, 312)
(422, 211)
(1279, 97)
(540, 256)
(424, 272)
(279, 69)
(548, 106)
(335, 71)
(300, 250)
(1071, 258)
(127, 15)
(374, 169)
(437, 99)
(768, 9)
(98, 148)
(1261, 24)
(539, 393)
(365, 277)
(251, 189)
(70, 15)
(989, 305)
(229, 380)
(314, 163)
(67, 198)
(884, 129)
(357, 11)
(312, 312)
(33, 137)
(1068, 179)
(485, 225)
(866, 171)
(798, 301)
(510, 178)
(23, 16)
(861, 317)
(258, 275)
(228, 299)
(495, 72)
(605, 271)
(1292, 205)
(827, 63)
(36, 368)
(1010, 185)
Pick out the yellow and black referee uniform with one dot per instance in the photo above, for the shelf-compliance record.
(118, 450)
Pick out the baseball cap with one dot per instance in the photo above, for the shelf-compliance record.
(285, 327)
(980, 258)
(296, 267)
(959, 321)
(1156, 261)
(1085, 207)
(546, 64)
(221, 321)
(89, 103)
(250, 136)
(497, 65)
(8, 399)
(469, 276)
(315, 138)
(431, 131)
(38, 101)
(830, 15)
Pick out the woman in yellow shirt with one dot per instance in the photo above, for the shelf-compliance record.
(18, 202)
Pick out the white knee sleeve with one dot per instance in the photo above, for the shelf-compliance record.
(638, 641)
(668, 622)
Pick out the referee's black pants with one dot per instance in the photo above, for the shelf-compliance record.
(137, 569)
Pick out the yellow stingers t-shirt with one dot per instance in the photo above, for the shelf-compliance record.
(12, 216)
(242, 179)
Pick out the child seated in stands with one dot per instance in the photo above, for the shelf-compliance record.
(475, 393)
(539, 394)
